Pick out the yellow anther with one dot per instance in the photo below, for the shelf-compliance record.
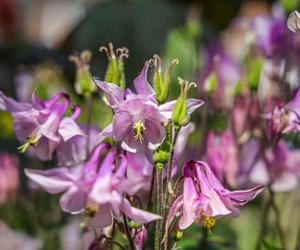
(138, 129)
(30, 142)
(208, 223)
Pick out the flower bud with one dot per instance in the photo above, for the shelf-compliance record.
(115, 69)
(84, 84)
(161, 83)
(140, 238)
(176, 234)
(180, 116)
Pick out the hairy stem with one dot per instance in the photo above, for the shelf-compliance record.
(167, 201)
(159, 197)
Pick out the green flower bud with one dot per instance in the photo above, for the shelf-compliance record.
(161, 156)
(211, 83)
(179, 115)
(159, 166)
(161, 83)
(84, 84)
(115, 69)
(254, 67)
(134, 225)
(176, 234)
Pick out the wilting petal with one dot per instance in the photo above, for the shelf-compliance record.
(68, 129)
(115, 94)
(174, 210)
(54, 180)
(138, 215)
(73, 201)
(10, 105)
(141, 84)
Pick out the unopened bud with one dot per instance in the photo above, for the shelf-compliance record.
(84, 84)
(115, 69)
(161, 83)
(179, 115)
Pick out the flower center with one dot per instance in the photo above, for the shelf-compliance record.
(138, 129)
(208, 222)
(31, 141)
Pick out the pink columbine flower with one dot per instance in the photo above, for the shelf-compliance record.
(222, 156)
(94, 189)
(138, 119)
(42, 123)
(9, 176)
(205, 198)
(279, 167)
(286, 118)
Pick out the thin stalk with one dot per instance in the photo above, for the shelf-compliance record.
(277, 219)
(89, 106)
(159, 196)
(264, 227)
(149, 203)
(167, 201)
(113, 241)
(132, 247)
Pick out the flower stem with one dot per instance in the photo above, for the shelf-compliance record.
(168, 199)
(89, 110)
(159, 196)
(264, 227)
(277, 219)
(132, 247)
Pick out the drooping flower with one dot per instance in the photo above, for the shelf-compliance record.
(9, 176)
(279, 167)
(138, 119)
(94, 189)
(222, 156)
(42, 123)
(285, 118)
(205, 198)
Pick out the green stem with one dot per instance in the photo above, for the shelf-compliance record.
(132, 247)
(159, 196)
(89, 106)
(168, 199)
(277, 219)
(264, 227)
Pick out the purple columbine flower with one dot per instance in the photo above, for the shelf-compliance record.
(94, 189)
(285, 118)
(279, 167)
(42, 123)
(204, 197)
(222, 156)
(138, 119)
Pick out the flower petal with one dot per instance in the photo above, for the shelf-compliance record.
(54, 180)
(68, 128)
(138, 215)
